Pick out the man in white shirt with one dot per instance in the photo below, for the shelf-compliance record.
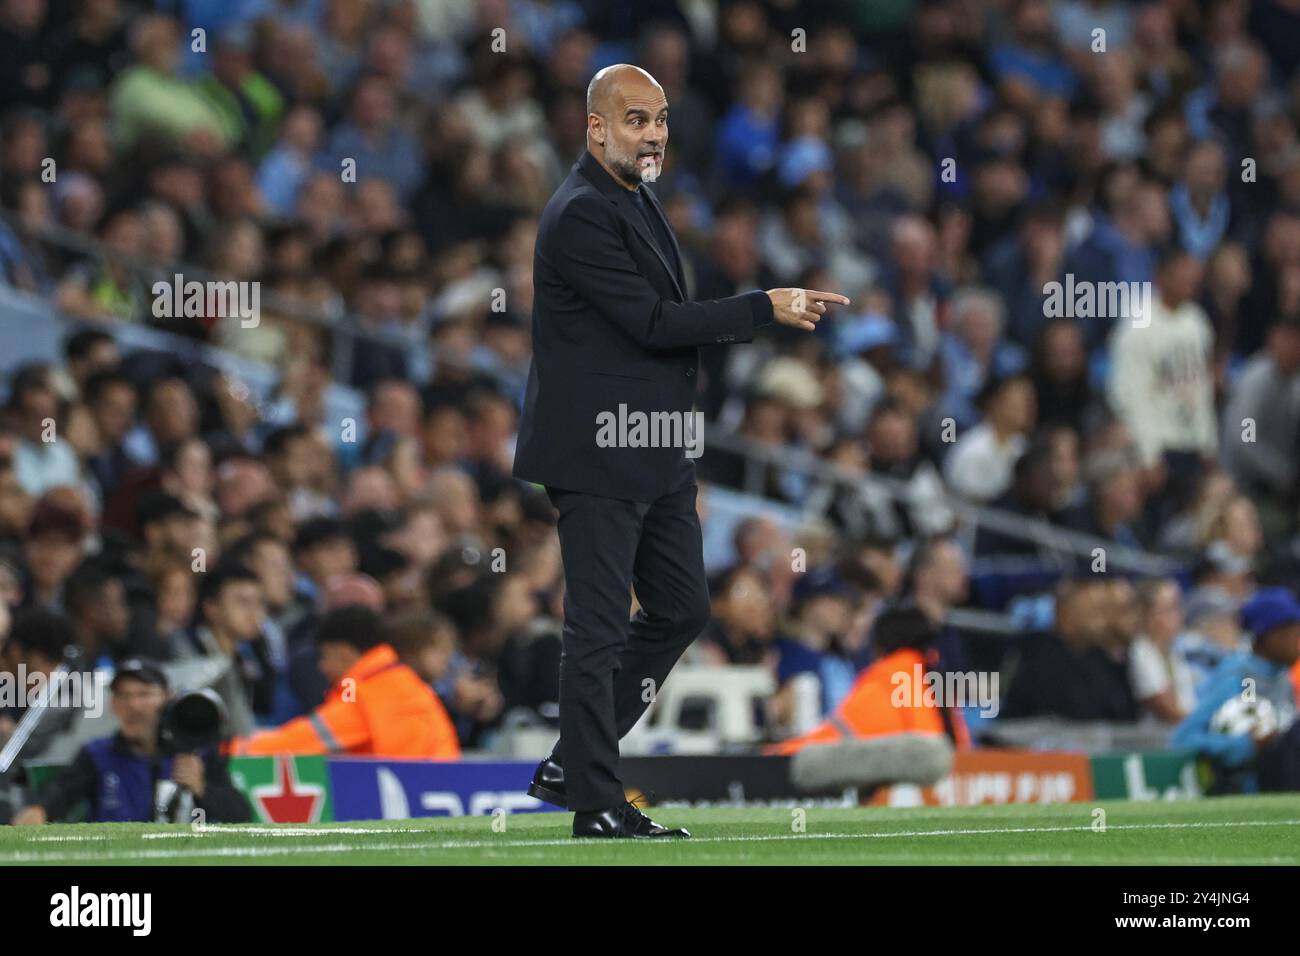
(1162, 380)
(981, 466)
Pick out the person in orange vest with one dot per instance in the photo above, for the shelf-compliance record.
(884, 699)
(376, 707)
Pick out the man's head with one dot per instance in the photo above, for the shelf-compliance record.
(1081, 613)
(55, 536)
(938, 574)
(88, 351)
(269, 558)
(627, 123)
(1009, 404)
(742, 604)
(1272, 617)
(824, 603)
(903, 626)
(1284, 345)
(231, 602)
(323, 549)
(424, 641)
(345, 634)
(288, 453)
(1035, 481)
(167, 525)
(139, 693)
(95, 597)
(1123, 613)
(171, 411)
(39, 638)
(1178, 276)
(112, 400)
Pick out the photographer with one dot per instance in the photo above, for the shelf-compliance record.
(118, 776)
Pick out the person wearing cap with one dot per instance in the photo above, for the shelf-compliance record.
(828, 614)
(1246, 762)
(115, 777)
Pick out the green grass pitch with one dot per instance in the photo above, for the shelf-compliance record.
(1232, 830)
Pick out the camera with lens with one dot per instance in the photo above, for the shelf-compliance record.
(190, 723)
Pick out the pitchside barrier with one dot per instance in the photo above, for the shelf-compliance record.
(316, 789)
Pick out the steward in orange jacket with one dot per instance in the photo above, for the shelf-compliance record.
(378, 706)
(883, 699)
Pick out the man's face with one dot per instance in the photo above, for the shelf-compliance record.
(329, 559)
(1281, 645)
(136, 705)
(109, 616)
(828, 615)
(1125, 611)
(240, 609)
(51, 558)
(173, 414)
(635, 131)
(180, 533)
(274, 566)
(114, 413)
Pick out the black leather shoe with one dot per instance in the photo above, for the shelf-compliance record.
(622, 823)
(548, 784)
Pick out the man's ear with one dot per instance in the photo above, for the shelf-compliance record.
(596, 128)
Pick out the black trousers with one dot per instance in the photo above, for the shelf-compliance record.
(610, 668)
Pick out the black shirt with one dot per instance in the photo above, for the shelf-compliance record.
(1052, 680)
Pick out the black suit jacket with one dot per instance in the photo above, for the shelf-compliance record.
(611, 327)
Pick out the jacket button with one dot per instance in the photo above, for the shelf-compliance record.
(690, 372)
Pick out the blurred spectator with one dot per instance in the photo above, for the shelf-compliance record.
(1266, 756)
(1070, 672)
(1261, 422)
(377, 705)
(1163, 684)
(981, 464)
(229, 619)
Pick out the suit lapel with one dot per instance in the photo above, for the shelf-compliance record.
(677, 250)
(622, 200)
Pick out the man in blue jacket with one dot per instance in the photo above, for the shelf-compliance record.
(1268, 760)
(116, 778)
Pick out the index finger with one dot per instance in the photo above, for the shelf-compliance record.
(826, 297)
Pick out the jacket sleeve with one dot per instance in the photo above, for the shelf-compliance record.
(1194, 732)
(446, 742)
(336, 726)
(222, 800)
(588, 251)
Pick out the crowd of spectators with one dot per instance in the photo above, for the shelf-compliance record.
(380, 165)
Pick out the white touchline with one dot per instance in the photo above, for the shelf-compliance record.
(506, 844)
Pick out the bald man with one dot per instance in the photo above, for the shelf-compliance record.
(616, 343)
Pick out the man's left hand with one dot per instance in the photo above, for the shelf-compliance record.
(187, 771)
